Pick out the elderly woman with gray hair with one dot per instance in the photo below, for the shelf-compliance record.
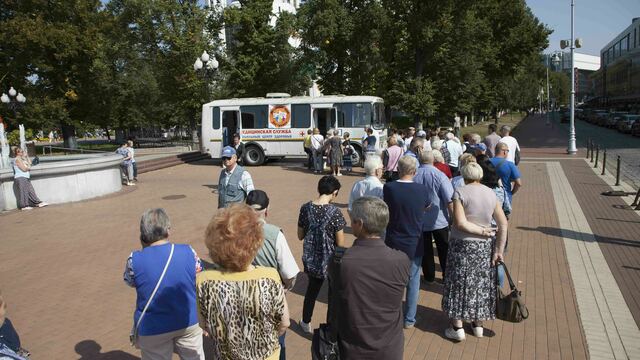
(164, 275)
(469, 283)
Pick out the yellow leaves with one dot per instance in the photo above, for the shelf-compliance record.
(71, 95)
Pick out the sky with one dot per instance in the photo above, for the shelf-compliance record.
(596, 21)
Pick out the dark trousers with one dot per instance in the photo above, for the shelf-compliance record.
(313, 289)
(309, 158)
(441, 238)
(135, 171)
(283, 353)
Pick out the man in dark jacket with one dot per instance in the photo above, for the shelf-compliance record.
(372, 281)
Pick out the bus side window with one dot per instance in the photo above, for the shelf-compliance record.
(300, 115)
(216, 118)
(254, 116)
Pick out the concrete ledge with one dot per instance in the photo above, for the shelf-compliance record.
(62, 179)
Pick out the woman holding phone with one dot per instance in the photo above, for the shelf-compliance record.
(470, 280)
(25, 194)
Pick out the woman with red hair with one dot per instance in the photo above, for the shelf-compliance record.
(241, 306)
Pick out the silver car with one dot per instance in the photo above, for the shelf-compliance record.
(626, 122)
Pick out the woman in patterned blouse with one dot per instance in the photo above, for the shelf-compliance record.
(241, 306)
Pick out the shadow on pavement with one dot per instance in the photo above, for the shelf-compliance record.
(300, 288)
(579, 236)
(91, 350)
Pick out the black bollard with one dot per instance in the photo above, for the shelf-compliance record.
(604, 161)
(592, 152)
(635, 202)
(618, 171)
(597, 155)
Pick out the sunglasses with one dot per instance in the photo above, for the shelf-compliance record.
(225, 158)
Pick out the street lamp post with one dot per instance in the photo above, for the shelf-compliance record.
(555, 60)
(204, 66)
(14, 101)
(572, 150)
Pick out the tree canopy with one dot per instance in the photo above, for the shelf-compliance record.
(129, 63)
(424, 57)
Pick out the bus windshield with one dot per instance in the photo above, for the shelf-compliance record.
(378, 116)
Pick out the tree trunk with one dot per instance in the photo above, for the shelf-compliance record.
(120, 136)
(194, 130)
(106, 131)
(69, 136)
(417, 123)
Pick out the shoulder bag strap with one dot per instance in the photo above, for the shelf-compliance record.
(164, 271)
(512, 285)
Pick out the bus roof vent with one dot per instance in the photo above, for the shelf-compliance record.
(277, 95)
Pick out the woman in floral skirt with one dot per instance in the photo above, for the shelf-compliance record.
(470, 280)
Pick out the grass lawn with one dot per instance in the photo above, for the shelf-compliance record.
(512, 119)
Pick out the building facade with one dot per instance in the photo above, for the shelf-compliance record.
(617, 83)
(586, 66)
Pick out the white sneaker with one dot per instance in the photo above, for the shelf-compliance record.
(477, 331)
(457, 335)
(306, 327)
(43, 204)
(26, 208)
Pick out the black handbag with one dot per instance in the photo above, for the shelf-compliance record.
(322, 346)
(510, 307)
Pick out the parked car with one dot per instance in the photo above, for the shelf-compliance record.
(635, 128)
(626, 122)
(601, 118)
(613, 118)
(595, 115)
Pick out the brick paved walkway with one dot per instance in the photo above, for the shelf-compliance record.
(61, 266)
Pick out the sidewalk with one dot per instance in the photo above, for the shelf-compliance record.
(574, 253)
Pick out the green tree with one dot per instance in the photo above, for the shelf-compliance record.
(47, 50)
(560, 87)
(259, 58)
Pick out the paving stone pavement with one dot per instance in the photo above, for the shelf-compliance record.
(61, 266)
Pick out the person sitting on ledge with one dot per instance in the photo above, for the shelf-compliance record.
(25, 194)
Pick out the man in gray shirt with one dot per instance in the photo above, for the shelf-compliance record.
(372, 281)
(492, 140)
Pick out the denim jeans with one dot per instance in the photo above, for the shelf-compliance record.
(283, 353)
(413, 291)
(317, 161)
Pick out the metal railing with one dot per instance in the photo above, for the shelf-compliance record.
(619, 168)
(68, 151)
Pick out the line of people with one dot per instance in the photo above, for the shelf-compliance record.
(239, 301)
(337, 150)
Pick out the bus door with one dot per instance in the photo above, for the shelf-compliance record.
(324, 117)
(230, 125)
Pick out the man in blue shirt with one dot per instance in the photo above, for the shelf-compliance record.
(435, 227)
(506, 170)
(407, 202)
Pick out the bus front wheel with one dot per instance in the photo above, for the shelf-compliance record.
(253, 156)
(356, 158)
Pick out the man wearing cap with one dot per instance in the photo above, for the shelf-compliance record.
(274, 252)
(478, 149)
(235, 182)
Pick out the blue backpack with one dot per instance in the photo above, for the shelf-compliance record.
(318, 246)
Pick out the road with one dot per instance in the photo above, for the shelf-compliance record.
(616, 143)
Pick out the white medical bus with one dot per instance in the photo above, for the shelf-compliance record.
(275, 126)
